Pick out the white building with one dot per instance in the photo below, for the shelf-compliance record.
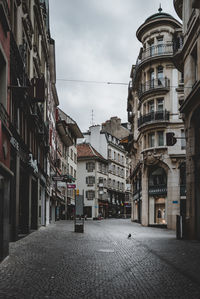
(110, 148)
(92, 181)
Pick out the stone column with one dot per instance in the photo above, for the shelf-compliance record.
(173, 196)
(145, 198)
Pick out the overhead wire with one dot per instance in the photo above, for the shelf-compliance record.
(107, 82)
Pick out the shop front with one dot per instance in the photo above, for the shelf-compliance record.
(157, 197)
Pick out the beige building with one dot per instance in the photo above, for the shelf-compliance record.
(187, 60)
(154, 97)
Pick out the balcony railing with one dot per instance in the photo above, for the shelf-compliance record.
(157, 50)
(152, 85)
(153, 116)
(158, 189)
(154, 51)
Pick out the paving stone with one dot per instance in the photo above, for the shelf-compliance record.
(54, 262)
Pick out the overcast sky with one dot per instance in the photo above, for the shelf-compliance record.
(95, 41)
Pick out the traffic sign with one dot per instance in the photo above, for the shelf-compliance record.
(71, 186)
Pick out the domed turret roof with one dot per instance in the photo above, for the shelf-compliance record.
(156, 18)
(158, 15)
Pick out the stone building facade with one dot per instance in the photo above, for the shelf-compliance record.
(154, 96)
(108, 145)
(187, 60)
(6, 175)
(92, 181)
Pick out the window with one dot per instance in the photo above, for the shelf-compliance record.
(151, 139)
(183, 143)
(145, 141)
(160, 75)
(113, 183)
(144, 109)
(151, 48)
(151, 74)
(100, 167)
(160, 138)
(71, 170)
(90, 194)
(160, 104)
(72, 154)
(113, 168)
(157, 177)
(100, 180)
(109, 153)
(160, 45)
(90, 166)
(90, 180)
(109, 183)
(74, 173)
(75, 158)
(151, 106)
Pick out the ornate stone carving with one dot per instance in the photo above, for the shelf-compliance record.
(151, 158)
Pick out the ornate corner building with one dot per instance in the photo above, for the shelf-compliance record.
(154, 97)
(187, 60)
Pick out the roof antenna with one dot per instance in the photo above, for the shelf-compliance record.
(160, 8)
(92, 118)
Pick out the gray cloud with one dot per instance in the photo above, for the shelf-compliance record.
(95, 40)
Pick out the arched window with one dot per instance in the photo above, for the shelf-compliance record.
(157, 177)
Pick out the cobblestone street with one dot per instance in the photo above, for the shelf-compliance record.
(55, 262)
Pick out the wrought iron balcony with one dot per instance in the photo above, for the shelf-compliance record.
(154, 116)
(153, 51)
(152, 85)
(157, 50)
(158, 189)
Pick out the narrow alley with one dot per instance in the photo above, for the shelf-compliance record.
(55, 262)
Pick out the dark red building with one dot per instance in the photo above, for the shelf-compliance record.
(5, 173)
